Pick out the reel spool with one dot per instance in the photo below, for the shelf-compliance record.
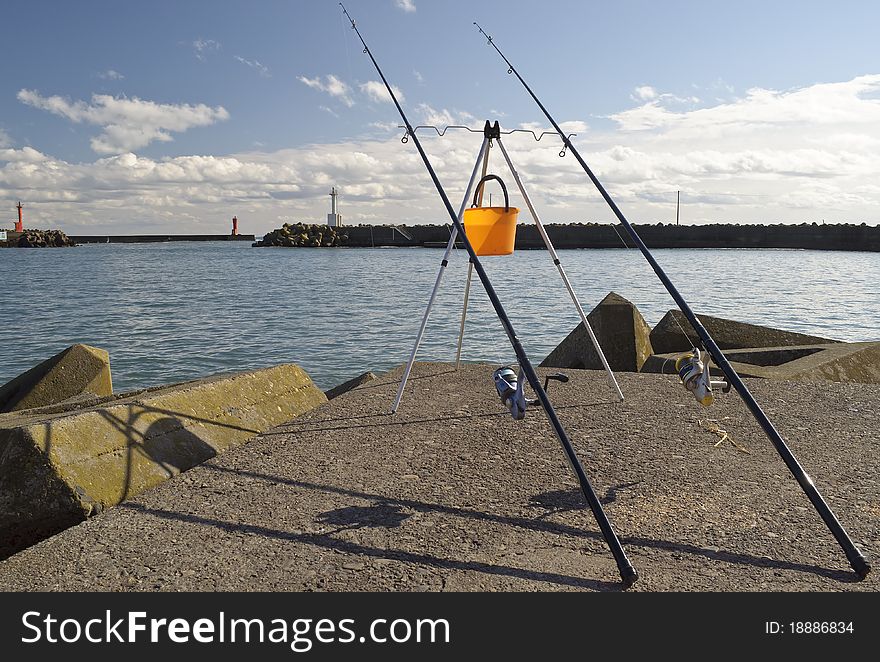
(510, 389)
(696, 378)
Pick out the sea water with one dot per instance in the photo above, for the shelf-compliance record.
(181, 310)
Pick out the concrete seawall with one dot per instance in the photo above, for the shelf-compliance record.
(156, 238)
(811, 236)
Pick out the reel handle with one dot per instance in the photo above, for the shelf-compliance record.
(724, 385)
(558, 377)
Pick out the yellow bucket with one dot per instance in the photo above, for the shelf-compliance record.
(491, 230)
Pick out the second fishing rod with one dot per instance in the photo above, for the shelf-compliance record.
(628, 574)
(856, 558)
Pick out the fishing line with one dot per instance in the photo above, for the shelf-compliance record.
(345, 39)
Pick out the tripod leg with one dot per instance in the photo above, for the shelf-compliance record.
(443, 264)
(467, 293)
(467, 287)
(577, 304)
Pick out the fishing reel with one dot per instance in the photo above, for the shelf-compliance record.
(510, 389)
(696, 378)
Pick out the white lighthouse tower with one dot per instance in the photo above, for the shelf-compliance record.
(334, 219)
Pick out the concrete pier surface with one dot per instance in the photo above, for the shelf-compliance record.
(451, 494)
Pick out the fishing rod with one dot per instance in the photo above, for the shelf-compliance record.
(628, 574)
(857, 559)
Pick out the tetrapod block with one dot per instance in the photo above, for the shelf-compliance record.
(622, 332)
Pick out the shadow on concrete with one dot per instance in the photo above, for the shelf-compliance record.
(290, 426)
(560, 501)
(166, 443)
(379, 515)
(380, 380)
(29, 528)
(327, 541)
(293, 427)
(541, 525)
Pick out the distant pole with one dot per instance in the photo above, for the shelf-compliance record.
(677, 205)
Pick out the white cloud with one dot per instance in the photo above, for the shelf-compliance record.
(261, 69)
(201, 47)
(644, 93)
(24, 155)
(111, 74)
(5, 140)
(385, 127)
(405, 5)
(127, 123)
(824, 165)
(574, 126)
(418, 76)
(445, 117)
(824, 103)
(378, 93)
(331, 85)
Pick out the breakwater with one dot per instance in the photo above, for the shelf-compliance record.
(156, 238)
(303, 235)
(37, 239)
(811, 236)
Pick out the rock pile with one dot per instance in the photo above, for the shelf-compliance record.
(44, 239)
(304, 235)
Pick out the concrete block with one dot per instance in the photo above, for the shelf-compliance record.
(58, 468)
(78, 370)
(841, 362)
(673, 333)
(622, 332)
(834, 362)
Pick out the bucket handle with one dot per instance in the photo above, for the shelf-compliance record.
(503, 188)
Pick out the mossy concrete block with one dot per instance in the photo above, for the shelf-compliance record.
(58, 468)
(674, 333)
(78, 370)
(623, 335)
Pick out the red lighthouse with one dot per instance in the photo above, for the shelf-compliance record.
(19, 226)
(234, 226)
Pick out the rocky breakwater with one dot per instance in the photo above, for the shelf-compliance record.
(303, 235)
(38, 239)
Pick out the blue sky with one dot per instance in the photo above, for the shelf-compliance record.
(173, 116)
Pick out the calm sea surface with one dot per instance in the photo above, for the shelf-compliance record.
(177, 311)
